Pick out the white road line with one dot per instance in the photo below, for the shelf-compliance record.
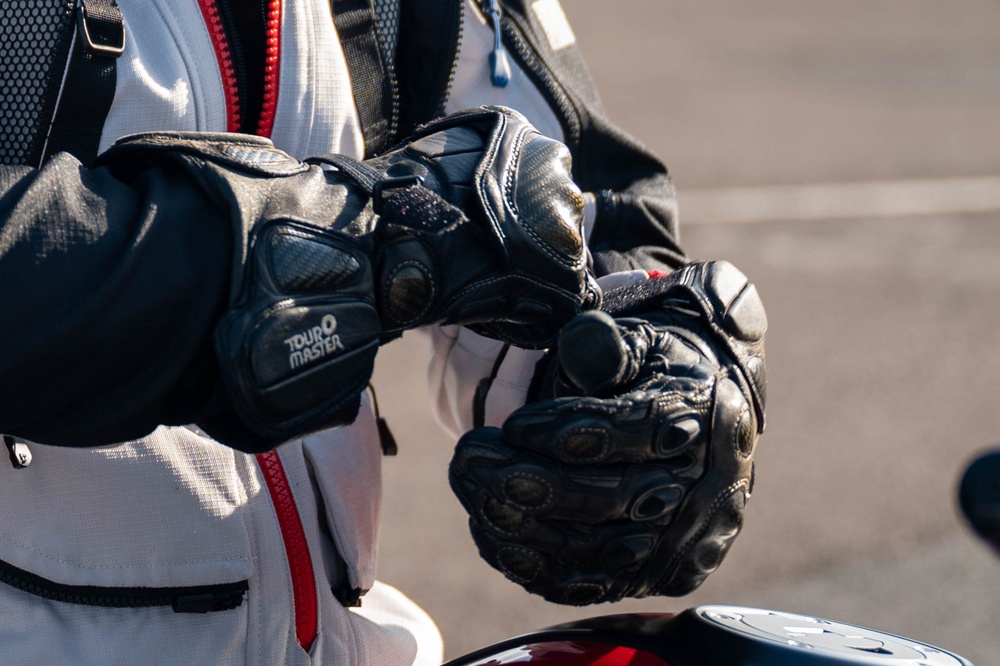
(823, 201)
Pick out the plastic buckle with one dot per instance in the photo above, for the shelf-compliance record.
(109, 50)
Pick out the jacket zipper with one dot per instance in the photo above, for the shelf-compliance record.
(230, 84)
(290, 523)
(459, 36)
(233, 66)
(272, 69)
(237, 57)
(296, 548)
(194, 599)
(395, 111)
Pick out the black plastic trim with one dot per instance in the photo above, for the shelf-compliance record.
(430, 33)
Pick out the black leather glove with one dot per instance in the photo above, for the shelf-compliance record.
(340, 255)
(508, 257)
(630, 480)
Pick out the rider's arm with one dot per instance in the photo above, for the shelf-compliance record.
(107, 291)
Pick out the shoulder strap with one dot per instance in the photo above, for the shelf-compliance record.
(370, 79)
(429, 34)
(88, 86)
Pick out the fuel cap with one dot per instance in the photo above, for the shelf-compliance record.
(776, 637)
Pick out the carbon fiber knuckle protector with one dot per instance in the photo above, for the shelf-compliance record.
(629, 474)
(511, 260)
(303, 336)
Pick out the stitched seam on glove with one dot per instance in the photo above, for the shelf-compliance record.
(670, 568)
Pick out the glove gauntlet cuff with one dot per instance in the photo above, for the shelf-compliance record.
(719, 299)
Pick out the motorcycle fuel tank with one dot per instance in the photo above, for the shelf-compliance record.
(711, 636)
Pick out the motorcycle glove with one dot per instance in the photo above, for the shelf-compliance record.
(473, 220)
(629, 474)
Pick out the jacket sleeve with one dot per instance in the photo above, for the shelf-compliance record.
(110, 285)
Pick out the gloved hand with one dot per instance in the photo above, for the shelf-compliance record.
(631, 478)
(514, 266)
(473, 220)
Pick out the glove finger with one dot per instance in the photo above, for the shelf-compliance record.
(569, 565)
(603, 357)
(505, 487)
(579, 574)
(665, 423)
(569, 559)
(696, 542)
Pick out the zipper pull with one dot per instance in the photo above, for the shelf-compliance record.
(227, 597)
(500, 71)
(20, 454)
(385, 438)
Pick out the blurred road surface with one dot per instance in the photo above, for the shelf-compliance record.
(884, 328)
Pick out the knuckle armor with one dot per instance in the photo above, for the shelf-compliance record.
(490, 235)
(307, 331)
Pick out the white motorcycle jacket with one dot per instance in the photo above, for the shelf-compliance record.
(170, 547)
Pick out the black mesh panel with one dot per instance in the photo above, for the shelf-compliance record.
(387, 27)
(34, 42)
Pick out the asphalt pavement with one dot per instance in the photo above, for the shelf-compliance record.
(883, 346)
